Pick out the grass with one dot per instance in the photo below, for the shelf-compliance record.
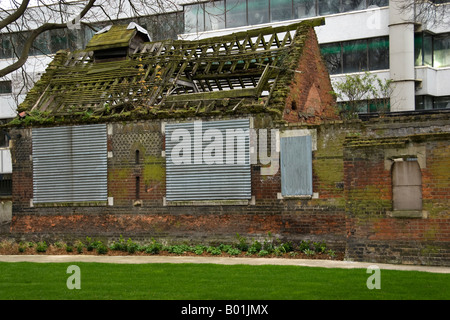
(47, 281)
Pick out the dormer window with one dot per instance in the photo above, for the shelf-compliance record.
(116, 42)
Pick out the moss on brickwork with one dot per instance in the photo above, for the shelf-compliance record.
(154, 169)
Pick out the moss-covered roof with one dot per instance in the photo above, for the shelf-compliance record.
(232, 74)
(117, 36)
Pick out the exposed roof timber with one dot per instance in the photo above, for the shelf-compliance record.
(173, 72)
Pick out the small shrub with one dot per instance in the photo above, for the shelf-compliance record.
(80, 246)
(69, 248)
(309, 252)
(225, 247)
(179, 249)
(41, 246)
(303, 245)
(59, 245)
(102, 249)
(131, 246)
(154, 247)
(234, 251)
(242, 243)
(320, 247)
(268, 246)
(214, 251)
(255, 247)
(287, 246)
(331, 253)
(279, 251)
(120, 245)
(21, 248)
(263, 253)
(199, 249)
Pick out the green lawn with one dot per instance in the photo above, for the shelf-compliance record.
(213, 282)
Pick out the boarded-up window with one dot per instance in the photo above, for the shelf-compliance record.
(70, 164)
(208, 160)
(406, 185)
(296, 166)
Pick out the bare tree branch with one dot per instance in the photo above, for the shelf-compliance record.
(14, 16)
(34, 34)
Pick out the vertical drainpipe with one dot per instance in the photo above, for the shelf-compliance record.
(401, 55)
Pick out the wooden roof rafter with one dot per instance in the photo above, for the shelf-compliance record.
(167, 74)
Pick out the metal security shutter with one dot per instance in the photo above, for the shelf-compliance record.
(296, 166)
(70, 164)
(200, 180)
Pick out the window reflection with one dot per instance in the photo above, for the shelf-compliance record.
(354, 56)
(258, 12)
(378, 53)
(193, 18)
(328, 7)
(332, 56)
(236, 13)
(378, 3)
(304, 8)
(214, 15)
(441, 57)
(280, 10)
(349, 5)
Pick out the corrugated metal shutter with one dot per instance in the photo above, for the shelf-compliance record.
(70, 164)
(198, 180)
(296, 166)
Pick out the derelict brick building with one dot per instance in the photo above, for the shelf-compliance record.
(96, 150)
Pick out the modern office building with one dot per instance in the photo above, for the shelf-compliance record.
(382, 37)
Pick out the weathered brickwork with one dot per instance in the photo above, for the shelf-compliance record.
(136, 165)
(351, 210)
(309, 99)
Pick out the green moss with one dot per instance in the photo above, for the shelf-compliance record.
(329, 170)
(154, 169)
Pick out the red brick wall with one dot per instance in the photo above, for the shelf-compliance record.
(309, 93)
(373, 233)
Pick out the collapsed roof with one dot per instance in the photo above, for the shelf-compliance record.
(234, 73)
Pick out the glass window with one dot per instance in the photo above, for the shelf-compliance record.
(167, 26)
(350, 5)
(280, 10)
(193, 18)
(328, 7)
(236, 13)
(354, 56)
(19, 40)
(258, 12)
(58, 40)
(378, 3)
(441, 102)
(5, 47)
(424, 103)
(418, 49)
(378, 53)
(215, 15)
(5, 87)
(441, 52)
(40, 45)
(304, 8)
(428, 49)
(332, 56)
